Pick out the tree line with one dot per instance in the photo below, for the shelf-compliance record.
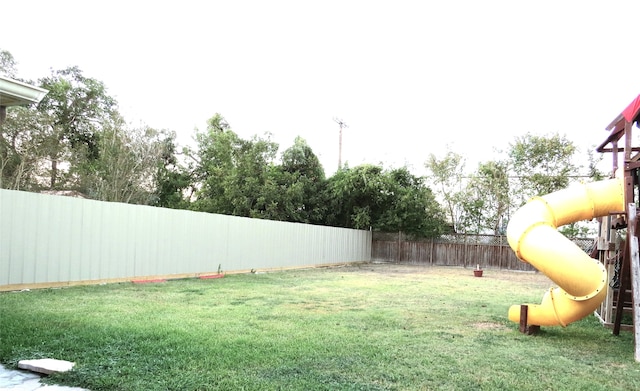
(76, 139)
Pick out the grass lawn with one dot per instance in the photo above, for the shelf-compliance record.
(367, 327)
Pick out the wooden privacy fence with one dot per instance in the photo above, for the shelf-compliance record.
(48, 240)
(488, 251)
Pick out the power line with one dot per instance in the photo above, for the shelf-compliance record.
(542, 175)
(524, 176)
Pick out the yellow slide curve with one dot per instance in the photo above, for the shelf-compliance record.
(532, 233)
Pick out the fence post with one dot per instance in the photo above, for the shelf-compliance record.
(431, 251)
(466, 252)
(500, 253)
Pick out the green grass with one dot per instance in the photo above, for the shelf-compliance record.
(368, 327)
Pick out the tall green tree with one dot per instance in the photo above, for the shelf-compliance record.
(412, 207)
(356, 196)
(24, 149)
(542, 164)
(76, 139)
(367, 196)
(213, 162)
(486, 201)
(301, 179)
(255, 159)
(174, 179)
(232, 173)
(125, 168)
(446, 179)
(79, 107)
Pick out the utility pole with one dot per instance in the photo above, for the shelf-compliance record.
(342, 125)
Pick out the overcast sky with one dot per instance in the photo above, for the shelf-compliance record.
(409, 78)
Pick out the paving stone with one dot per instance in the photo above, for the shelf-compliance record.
(46, 365)
(17, 380)
(27, 385)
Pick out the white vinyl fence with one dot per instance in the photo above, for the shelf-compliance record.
(49, 240)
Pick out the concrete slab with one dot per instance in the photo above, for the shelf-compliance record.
(13, 379)
(17, 380)
(46, 365)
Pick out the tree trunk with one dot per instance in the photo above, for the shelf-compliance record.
(54, 172)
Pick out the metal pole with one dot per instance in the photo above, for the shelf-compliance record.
(340, 148)
(342, 125)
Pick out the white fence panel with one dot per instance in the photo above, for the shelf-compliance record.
(48, 239)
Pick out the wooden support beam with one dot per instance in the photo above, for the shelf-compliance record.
(625, 267)
(524, 311)
(614, 154)
(634, 260)
(524, 327)
(627, 140)
(621, 289)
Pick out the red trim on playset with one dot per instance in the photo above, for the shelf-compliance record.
(632, 110)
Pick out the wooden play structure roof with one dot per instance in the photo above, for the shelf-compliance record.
(620, 125)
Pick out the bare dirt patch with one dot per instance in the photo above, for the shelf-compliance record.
(400, 269)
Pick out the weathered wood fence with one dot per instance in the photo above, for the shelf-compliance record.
(488, 251)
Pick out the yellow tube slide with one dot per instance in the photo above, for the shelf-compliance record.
(532, 233)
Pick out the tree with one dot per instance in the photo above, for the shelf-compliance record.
(446, 178)
(239, 177)
(355, 196)
(301, 179)
(7, 64)
(594, 173)
(80, 107)
(76, 139)
(23, 149)
(125, 169)
(251, 177)
(368, 197)
(172, 178)
(212, 164)
(486, 202)
(412, 208)
(22, 137)
(542, 164)
(232, 173)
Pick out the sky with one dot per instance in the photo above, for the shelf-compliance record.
(409, 78)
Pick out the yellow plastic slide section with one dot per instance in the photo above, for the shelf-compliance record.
(532, 233)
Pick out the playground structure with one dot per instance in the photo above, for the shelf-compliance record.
(533, 235)
(605, 282)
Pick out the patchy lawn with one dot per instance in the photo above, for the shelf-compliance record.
(367, 327)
